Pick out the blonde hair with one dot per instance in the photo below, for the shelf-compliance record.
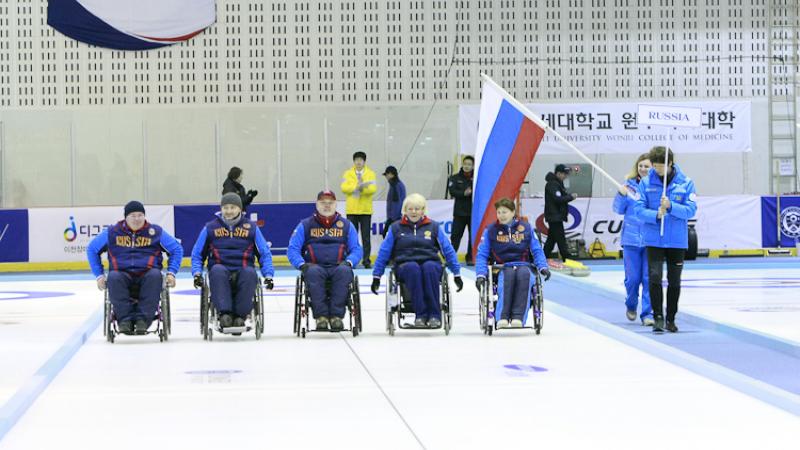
(635, 171)
(415, 200)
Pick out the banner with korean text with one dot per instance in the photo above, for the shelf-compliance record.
(613, 128)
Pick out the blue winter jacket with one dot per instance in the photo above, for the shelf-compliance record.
(420, 241)
(394, 200)
(681, 194)
(632, 229)
(134, 252)
(313, 242)
(511, 244)
(232, 246)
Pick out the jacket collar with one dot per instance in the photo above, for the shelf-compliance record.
(424, 220)
(326, 222)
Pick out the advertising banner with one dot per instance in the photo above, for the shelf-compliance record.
(789, 221)
(613, 128)
(13, 235)
(62, 234)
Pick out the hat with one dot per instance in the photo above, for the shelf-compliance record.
(563, 169)
(134, 206)
(390, 169)
(326, 193)
(231, 198)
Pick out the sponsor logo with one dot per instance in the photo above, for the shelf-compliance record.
(73, 231)
(340, 224)
(790, 222)
(428, 234)
(152, 232)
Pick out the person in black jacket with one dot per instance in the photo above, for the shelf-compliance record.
(460, 187)
(234, 184)
(556, 210)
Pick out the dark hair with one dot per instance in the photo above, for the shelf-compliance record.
(505, 202)
(359, 154)
(658, 155)
(234, 173)
(468, 157)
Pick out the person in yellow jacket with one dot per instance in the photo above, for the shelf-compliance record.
(359, 185)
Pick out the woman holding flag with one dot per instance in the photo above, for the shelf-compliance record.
(665, 209)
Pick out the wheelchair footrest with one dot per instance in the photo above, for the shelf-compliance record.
(232, 330)
(411, 326)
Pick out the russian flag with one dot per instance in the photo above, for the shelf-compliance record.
(508, 138)
(131, 25)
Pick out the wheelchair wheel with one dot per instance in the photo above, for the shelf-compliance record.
(357, 304)
(106, 311)
(168, 315)
(444, 299)
(258, 312)
(391, 290)
(298, 298)
(204, 311)
(538, 305)
(164, 313)
(483, 309)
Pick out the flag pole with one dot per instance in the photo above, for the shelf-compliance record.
(536, 119)
(666, 171)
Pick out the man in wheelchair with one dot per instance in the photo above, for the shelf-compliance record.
(511, 242)
(135, 259)
(414, 244)
(231, 242)
(325, 248)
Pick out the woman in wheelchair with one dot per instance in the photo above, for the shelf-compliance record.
(325, 248)
(510, 242)
(231, 242)
(414, 244)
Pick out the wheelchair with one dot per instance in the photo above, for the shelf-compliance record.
(399, 304)
(489, 297)
(163, 316)
(209, 316)
(302, 307)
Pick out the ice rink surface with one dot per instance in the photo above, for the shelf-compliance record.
(570, 387)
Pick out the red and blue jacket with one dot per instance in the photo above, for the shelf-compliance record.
(134, 252)
(324, 241)
(234, 247)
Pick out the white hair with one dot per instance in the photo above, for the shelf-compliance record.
(415, 200)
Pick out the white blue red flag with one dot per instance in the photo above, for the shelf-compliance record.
(131, 24)
(508, 138)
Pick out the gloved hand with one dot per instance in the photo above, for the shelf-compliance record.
(480, 282)
(171, 280)
(459, 283)
(376, 283)
(198, 281)
(268, 284)
(546, 273)
(304, 267)
(252, 193)
(346, 262)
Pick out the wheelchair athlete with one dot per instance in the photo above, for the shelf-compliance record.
(325, 248)
(414, 244)
(135, 260)
(510, 242)
(230, 242)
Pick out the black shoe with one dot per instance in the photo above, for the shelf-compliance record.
(226, 321)
(671, 326)
(367, 264)
(336, 324)
(238, 322)
(658, 326)
(141, 326)
(126, 327)
(322, 324)
(434, 323)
